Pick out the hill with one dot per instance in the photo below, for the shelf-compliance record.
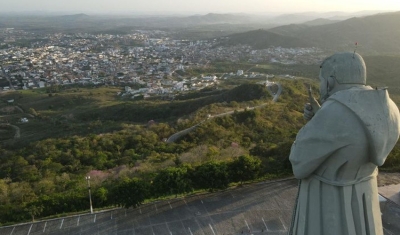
(165, 111)
(74, 16)
(304, 17)
(95, 23)
(213, 18)
(383, 71)
(91, 131)
(260, 39)
(320, 21)
(375, 34)
(295, 18)
(132, 153)
(70, 111)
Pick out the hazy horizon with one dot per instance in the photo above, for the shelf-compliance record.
(193, 6)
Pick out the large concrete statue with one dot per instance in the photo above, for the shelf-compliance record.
(336, 154)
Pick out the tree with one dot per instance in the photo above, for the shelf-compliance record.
(100, 196)
(211, 175)
(245, 168)
(131, 192)
(33, 112)
(178, 161)
(34, 209)
(4, 191)
(173, 180)
(277, 156)
(212, 153)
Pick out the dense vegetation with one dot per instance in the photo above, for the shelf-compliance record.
(124, 153)
(46, 177)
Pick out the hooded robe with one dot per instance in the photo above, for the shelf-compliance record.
(336, 155)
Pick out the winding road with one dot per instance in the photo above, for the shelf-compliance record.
(17, 130)
(8, 78)
(184, 132)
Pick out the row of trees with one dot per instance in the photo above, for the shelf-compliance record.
(126, 191)
(184, 179)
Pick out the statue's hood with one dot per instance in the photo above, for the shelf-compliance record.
(380, 116)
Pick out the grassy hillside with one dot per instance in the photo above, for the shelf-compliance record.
(47, 173)
(95, 110)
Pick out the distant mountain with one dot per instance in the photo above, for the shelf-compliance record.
(190, 27)
(174, 21)
(303, 17)
(213, 18)
(260, 39)
(80, 15)
(320, 21)
(71, 17)
(347, 15)
(375, 34)
(297, 18)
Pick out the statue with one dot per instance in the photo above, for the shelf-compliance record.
(336, 154)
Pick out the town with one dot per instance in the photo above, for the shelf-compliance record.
(145, 62)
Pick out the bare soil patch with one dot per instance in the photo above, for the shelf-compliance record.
(388, 178)
(11, 110)
(8, 109)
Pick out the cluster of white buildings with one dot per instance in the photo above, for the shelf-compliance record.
(169, 87)
(282, 55)
(149, 58)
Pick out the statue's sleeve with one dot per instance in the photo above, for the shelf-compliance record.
(328, 131)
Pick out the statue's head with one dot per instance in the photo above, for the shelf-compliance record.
(346, 68)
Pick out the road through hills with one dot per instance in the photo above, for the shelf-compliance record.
(182, 133)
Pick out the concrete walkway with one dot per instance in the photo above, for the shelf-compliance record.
(391, 192)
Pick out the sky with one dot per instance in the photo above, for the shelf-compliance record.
(196, 6)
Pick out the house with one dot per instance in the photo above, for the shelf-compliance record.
(209, 78)
(42, 84)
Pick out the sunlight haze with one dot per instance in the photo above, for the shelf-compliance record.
(196, 6)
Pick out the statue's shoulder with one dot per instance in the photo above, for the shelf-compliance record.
(365, 102)
(379, 116)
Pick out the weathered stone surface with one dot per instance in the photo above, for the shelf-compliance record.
(337, 152)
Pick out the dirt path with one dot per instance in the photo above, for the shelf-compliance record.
(19, 108)
(17, 131)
